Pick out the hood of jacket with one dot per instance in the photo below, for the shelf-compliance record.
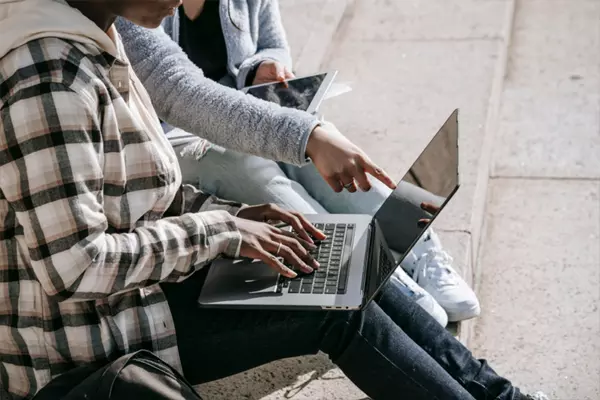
(22, 21)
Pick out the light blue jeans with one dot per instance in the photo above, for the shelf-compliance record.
(255, 180)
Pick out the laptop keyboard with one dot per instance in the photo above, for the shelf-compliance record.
(333, 254)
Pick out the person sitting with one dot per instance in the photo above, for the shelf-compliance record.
(243, 43)
(103, 249)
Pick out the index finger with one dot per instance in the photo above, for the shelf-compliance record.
(288, 74)
(296, 223)
(280, 74)
(309, 227)
(378, 174)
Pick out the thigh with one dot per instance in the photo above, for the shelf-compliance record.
(337, 203)
(248, 179)
(214, 343)
(386, 363)
(367, 345)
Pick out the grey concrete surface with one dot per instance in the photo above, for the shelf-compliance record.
(554, 41)
(549, 133)
(540, 286)
(426, 20)
(302, 378)
(539, 265)
(310, 26)
(550, 119)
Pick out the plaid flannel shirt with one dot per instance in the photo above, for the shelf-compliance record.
(92, 216)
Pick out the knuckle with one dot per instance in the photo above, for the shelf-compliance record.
(286, 250)
(299, 248)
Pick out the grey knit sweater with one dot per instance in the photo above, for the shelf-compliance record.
(183, 97)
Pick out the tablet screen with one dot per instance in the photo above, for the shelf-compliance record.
(299, 93)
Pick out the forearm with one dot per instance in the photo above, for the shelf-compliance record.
(79, 246)
(184, 98)
(168, 250)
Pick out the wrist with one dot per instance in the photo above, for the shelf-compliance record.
(314, 139)
(252, 74)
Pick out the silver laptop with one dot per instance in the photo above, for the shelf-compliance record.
(360, 252)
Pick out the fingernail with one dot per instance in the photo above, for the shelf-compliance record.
(316, 264)
(307, 269)
(292, 274)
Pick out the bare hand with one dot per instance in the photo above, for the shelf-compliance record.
(271, 212)
(340, 162)
(267, 243)
(271, 71)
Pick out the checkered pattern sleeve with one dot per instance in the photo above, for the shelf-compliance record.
(51, 175)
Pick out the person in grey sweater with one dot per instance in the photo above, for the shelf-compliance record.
(240, 43)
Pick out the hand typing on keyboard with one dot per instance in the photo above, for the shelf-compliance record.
(333, 254)
(271, 244)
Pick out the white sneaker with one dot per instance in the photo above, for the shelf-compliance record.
(419, 295)
(431, 267)
(537, 396)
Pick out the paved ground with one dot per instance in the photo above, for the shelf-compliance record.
(526, 77)
(540, 258)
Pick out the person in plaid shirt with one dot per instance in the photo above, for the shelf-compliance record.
(102, 247)
(92, 210)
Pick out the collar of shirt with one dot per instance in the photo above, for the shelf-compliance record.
(118, 64)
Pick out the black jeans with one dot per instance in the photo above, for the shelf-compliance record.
(392, 349)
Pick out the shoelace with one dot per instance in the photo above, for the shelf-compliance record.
(434, 266)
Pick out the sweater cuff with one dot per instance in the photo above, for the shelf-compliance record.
(251, 75)
(304, 142)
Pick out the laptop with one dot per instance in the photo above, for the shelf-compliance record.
(361, 251)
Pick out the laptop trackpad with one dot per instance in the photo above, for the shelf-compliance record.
(241, 276)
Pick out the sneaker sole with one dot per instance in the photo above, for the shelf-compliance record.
(464, 315)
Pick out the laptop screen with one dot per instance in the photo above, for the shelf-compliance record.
(421, 194)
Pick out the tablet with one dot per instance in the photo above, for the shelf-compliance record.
(305, 93)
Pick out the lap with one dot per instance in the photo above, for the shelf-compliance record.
(368, 345)
(215, 343)
(337, 203)
(248, 179)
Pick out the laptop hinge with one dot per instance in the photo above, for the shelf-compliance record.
(369, 258)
